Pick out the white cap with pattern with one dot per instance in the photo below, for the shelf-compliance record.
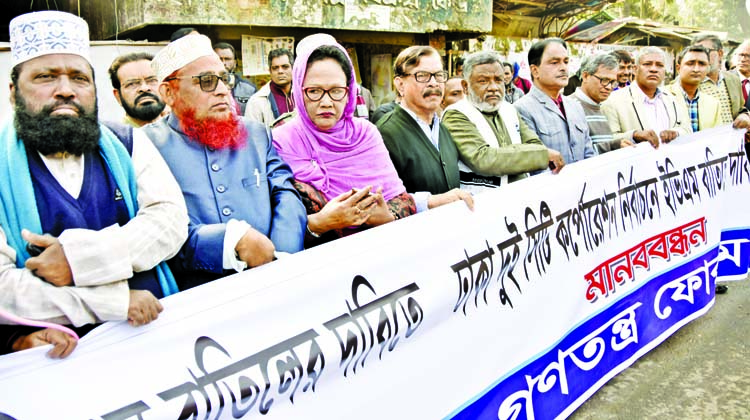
(50, 32)
(179, 53)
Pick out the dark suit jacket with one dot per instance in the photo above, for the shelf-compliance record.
(417, 161)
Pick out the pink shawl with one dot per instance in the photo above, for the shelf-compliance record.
(350, 155)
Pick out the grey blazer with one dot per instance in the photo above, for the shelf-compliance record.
(567, 134)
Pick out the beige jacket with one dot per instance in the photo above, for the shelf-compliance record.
(708, 106)
(626, 113)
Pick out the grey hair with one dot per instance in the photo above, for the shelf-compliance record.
(713, 39)
(591, 63)
(479, 58)
(650, 50)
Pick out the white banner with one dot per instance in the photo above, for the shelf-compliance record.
(520, 309)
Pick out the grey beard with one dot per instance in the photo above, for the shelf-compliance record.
(481, 105)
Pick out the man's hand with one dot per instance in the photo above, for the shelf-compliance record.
(63, 344)
(437, 200)
(668, 135)
(255, 248)
(143, 307)
(625, 143)
(556, 161)
(646, 135)
(742, 121)
(51, 265)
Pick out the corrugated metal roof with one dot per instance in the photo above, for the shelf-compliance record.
(632, 30)
(541, 8)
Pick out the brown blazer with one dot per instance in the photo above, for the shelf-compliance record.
(734, 88)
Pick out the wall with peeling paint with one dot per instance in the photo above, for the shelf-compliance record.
(412, 16)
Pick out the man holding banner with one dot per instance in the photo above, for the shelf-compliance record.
(642, 111)
(495, 145)
(242, 205)
(87, 216)
(558, 120)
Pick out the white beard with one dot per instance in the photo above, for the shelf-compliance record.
(481, 105)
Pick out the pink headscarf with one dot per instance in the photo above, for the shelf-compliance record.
(349, 155)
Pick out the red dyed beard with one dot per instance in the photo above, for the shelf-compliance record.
(226, 133)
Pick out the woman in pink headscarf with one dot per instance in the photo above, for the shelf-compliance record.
(341, 167)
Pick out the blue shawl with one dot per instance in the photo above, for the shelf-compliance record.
(18, 208)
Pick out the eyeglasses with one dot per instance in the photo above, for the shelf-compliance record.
(335, 93)
(425, 76)
(208, 82)
(133, 84)
(607, 83)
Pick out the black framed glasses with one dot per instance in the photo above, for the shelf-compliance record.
(607, 83)
(425, 76)
(335, 93)
(208, 82)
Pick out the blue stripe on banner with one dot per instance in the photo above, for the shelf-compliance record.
(557, 382)
(735, 254)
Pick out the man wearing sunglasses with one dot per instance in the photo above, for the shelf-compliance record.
(599, 77)
(243, 208)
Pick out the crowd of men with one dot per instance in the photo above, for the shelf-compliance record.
(102, 219)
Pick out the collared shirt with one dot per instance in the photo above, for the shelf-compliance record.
(421, 198)
(719, 91)
(692, 105)
(657, 117)
(744, 84)
(432, 131)
(559, 103)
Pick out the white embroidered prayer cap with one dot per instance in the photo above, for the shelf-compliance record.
(50, 32)
(179, 53)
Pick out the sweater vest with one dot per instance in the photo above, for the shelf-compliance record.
(100, 204)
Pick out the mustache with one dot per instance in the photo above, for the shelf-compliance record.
(436, 91)
(146, 95)
(47, 109)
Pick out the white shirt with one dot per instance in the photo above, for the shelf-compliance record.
(101, 261)
(657, 117)
(432, 132)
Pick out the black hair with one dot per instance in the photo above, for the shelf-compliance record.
(329, 51)
(693, 48)
(537, 50)
(225, 46)
(180, 33)
(122, 60)
(280, 52)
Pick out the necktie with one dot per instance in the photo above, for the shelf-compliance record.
(559, 103)
(744, 88)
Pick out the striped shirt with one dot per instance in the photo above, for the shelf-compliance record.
(599, 129)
